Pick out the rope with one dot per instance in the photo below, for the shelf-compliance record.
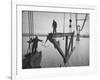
(70, 15)
(84, 22)
(64, 25)
(70, 21)
(29, 25)
(44, 45)
(33, 22)
(76, 22)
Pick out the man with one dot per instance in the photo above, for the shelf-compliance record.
(54, 25)
(35, 44)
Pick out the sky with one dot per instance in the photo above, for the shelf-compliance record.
(42, 22)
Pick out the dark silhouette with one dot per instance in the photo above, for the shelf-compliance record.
(70, 22)
(35, 44)
(54, 25)
(29, 42)
(30, 60)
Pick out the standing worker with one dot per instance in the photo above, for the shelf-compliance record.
(35, 44)
(54, 25)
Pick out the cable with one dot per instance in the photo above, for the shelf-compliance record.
(70, 20)
(84, 22)
(44, 45)
(64, 25)
(29, 25)
(76, 21)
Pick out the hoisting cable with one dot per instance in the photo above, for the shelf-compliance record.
(70, 21)
(63, 25)
(33, 22)
(76, 22)
(29, 25)
(84, 22)
(28, 32)
(70, 15)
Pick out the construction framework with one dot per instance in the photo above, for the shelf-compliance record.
(68, 44)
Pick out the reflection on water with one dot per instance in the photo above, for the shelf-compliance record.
(52, 58)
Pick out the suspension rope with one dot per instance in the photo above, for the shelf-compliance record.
(84, 22)
(33, 22)
(29, 25)
(70, 15)
(28, 50)
(44, 45)
(30, 22)
(76, 22)
(70, 21)
(64, 25)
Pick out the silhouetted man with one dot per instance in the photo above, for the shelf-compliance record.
(54, 25)
(35, 44)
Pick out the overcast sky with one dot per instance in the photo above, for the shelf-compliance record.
(42, 22)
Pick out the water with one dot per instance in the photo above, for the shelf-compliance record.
(52, 58)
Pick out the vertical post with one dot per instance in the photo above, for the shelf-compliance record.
(72, 41)
(66, 47)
